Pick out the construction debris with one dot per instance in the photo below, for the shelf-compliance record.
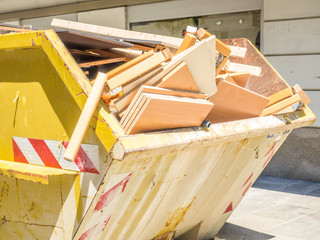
(156, 82)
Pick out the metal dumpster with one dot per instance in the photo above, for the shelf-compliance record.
(179, 183)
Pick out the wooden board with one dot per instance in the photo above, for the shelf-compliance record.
(115, 32)
(179, 78)
(232, 102)
(166, 112)
(101, 62)
(237, 67)
(131, 89)
(137, 70)
(238, 52)
(279, 96)
(76, 39)
(281, 105)
(188, 41)
(163, 91)
(200, 58)
(240, 78)
(303, 96)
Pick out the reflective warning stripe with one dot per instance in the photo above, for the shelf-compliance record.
(48, 153)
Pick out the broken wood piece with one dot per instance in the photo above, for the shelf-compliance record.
(281, 105)
(85, 117)
(304, 97)
(240, 78)
(188, 41)
(232, 102)
(192, 30)
(179, 78)
(160, 112)
(101, 62)
(200, 58)
(238, 52)
(138, 69)
(237, 67)
(279, 96)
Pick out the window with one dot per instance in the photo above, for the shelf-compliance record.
(231, 25)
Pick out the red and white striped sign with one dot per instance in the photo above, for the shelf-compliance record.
(48, 153)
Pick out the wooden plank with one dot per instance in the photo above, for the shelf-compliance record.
(133, 112)
(200, 58)
(240, 78)
(220, 46)
(124, 119)
(238, 52)
(85, 118)
(109, 53)
(101, 62)
(179, 78)
(166, 112)
(86, 53)
(137, 70)
(163, 91)
(232, 102)
(279, 96)
(76, 39)
(237, 67)
(281, 105)
(303, 96)
(188, 41)
(115, 32)
(129, 64)
(131, 89)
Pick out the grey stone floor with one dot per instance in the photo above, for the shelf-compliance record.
(277, 209)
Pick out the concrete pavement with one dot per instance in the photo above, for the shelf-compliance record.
(277, 209)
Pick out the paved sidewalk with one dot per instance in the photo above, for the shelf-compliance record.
(277, 209)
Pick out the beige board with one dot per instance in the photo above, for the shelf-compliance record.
(200, 59)
(179, 78)
(166, 112)
(232, 102)
(237, 67)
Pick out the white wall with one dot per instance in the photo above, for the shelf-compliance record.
(291, 36)
(189, 8)
(45, 22)
(113, 17)
(18, 5)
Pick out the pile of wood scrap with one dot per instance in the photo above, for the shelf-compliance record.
(174, 83)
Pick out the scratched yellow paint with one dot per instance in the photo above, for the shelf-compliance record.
(32, 173)
(53, 90)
